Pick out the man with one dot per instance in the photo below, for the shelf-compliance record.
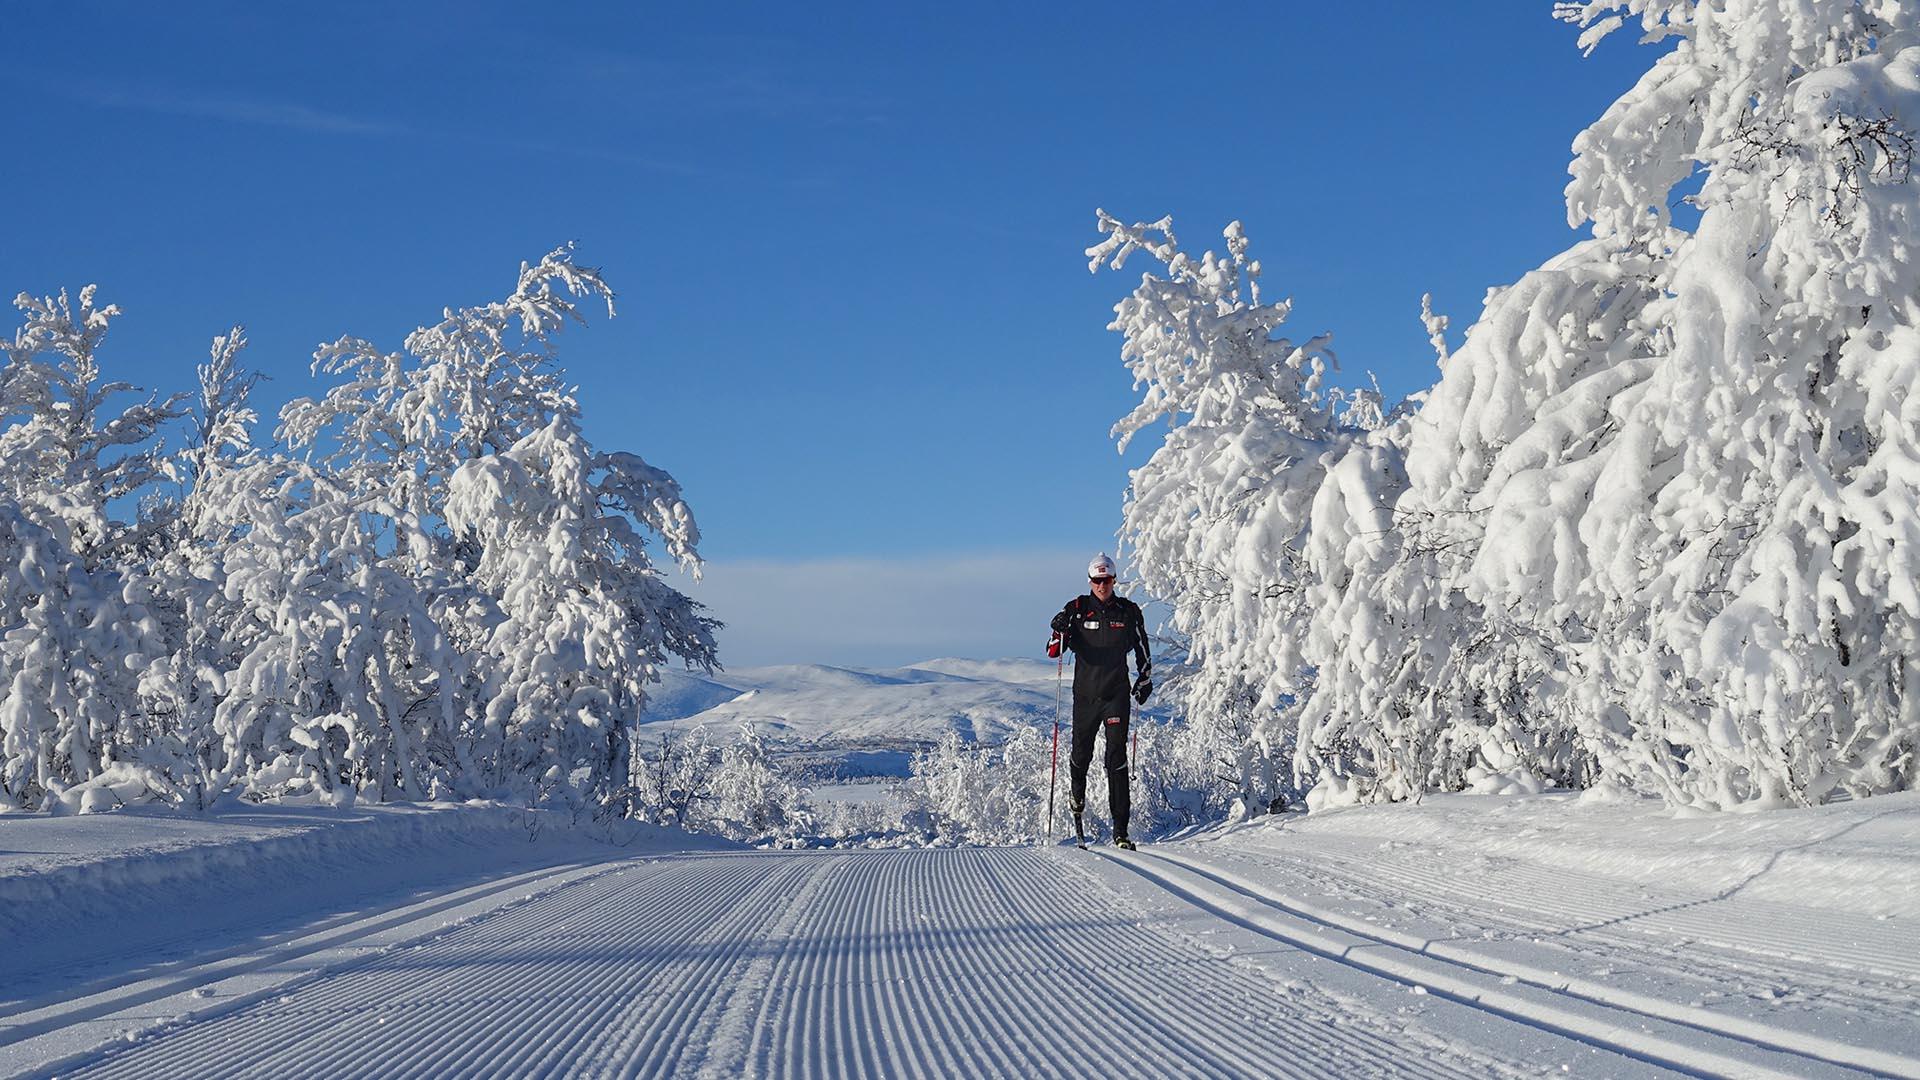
(1102, 629)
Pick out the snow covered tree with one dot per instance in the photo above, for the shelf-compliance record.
(450, 593)
(1430, 680)
(1656, 523)
(1665, 488)
(1708, 489)
(73, 629)
(529, 547)
(1215, 522)
(186, 580)
(337, 654)
(66, 452)
(587, 620)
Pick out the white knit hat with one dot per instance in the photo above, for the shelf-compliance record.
(1101, 566)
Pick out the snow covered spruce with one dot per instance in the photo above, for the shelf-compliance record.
(1657, 525)
(434, 586)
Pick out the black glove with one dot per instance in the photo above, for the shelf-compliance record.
(1142, 686)
(1061, 622)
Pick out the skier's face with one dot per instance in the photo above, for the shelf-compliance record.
(1102, 588)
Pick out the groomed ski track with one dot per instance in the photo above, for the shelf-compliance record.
(968, 962)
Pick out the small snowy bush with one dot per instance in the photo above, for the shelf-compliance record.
(734, 789)
(961, 792)
(971, 793)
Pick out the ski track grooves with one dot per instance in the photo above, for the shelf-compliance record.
(1460, 976)
(1603, 923)
(512, 994)
(1599, 906)
(985, 962)
(1852, 967)
(967, 962)
(274, 960)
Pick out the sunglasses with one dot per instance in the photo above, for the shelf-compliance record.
(1101, 580)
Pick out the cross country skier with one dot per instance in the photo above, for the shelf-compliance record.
(1102, 629)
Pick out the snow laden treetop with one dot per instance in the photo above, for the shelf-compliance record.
(435, 587)
(1657, 524)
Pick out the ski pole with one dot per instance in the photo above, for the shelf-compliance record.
(1053, 780)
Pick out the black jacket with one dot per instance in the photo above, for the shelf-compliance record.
(1101, 636)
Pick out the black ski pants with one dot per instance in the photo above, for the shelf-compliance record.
(1119, 795)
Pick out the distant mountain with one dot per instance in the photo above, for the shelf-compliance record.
(1012, 670)
(827, 706)
(683, 693)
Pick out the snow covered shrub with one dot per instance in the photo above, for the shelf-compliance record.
(969, 793)
(972, 793)
(1203, 772)
(669, 778)
(752, 796)
(736, 789)
(872, 823)
(70, 639)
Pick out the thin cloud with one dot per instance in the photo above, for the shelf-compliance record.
(261, 112)
(296, 117)
(592, 152)
(726, 88)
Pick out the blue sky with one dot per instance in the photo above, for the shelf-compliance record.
(855, 319)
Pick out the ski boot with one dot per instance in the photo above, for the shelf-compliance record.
(1079, 806)
(1125, 844)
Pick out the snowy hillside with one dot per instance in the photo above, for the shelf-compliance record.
(819, 705)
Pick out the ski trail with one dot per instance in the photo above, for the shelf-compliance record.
(1010, 962)
(1852, 946)
(26, 1020)
(634, 956)
(1656, 1035)
(1721, 961)
(1004, 962)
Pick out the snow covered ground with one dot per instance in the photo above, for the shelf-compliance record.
(1466, 936)
(1786, 940)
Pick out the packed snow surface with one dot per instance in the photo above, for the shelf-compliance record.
(85, 897)
(1462, 937)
